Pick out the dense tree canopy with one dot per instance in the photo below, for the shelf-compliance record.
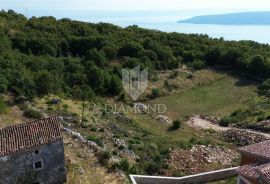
(44, 55)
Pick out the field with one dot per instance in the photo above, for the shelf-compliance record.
(218, 98)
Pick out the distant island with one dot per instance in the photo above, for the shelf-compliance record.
(246, 18)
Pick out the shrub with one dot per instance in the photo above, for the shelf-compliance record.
(134, 169)
(124, 164)
(210, 130)
(197, 65)
(176, 125)
(101, 130)
(152, 167)
(3, 88)
(93, 129)
(155, 93)
(226, 121)
(97, 140)
(173, 75)
(121, 147)
(31, 113)
(65, 106)
(261, 117)
(240, 115)
(3, 107)
(185, 145)
(190, 76)
(103, 157)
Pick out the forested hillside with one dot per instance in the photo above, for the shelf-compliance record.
(44, 55)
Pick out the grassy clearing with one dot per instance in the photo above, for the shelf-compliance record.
(218, 98)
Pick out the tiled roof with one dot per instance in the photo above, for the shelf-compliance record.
(256, 173)
(248, 171)
(264, 172)
(261, 149)
(29, 135)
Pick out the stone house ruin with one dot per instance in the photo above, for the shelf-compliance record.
(32, 153)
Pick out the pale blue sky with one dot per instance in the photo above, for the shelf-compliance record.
(127, 5)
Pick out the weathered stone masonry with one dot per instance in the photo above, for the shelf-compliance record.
(41, 159)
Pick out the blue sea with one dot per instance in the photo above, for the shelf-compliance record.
(166, 21)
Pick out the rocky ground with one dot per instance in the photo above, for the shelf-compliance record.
(202, 159)
(83, 166)
(242, 138)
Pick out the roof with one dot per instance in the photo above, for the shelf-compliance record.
(248, 171)
(29, 135)
(264, 171)
(256, 173)
(260, 149)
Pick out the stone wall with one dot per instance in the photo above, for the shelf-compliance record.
(19, 166)
(192, 179)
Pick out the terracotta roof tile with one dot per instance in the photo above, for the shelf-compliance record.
(261, 149)
(264, 172)
(248, 171)
(256, 173)
(28, 135)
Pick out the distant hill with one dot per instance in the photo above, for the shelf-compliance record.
(246, 18)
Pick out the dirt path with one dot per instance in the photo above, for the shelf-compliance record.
(198, 122)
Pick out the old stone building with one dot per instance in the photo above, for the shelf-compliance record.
(32, 153)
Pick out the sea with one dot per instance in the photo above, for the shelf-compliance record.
(166, 21)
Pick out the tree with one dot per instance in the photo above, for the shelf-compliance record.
(213, 56)
(264, 88)
(116, 85)
(257, 65)
(253, 106)
(45, 82)
(85, 93)
(110, 51)
(131, 49)
(96, 79)
(97, 56)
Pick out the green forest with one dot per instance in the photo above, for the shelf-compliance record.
(82, 60)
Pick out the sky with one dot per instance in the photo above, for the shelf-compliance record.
(133, 5)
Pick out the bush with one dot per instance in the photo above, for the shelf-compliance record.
(185, 145)
(197, 65)
(103, 157)
(173, 75)
(176, 125)
(3, 88)
(65, 106)
(101, 130)
(3, 106)
(152, 168)
(93, 129)
(97, 140)
(261, 117)
(155, 93)
(226, 121)
(31, 113)
(124, 164)
(134, 169)
(240, 115)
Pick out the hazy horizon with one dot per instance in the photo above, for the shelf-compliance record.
(184, 8)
